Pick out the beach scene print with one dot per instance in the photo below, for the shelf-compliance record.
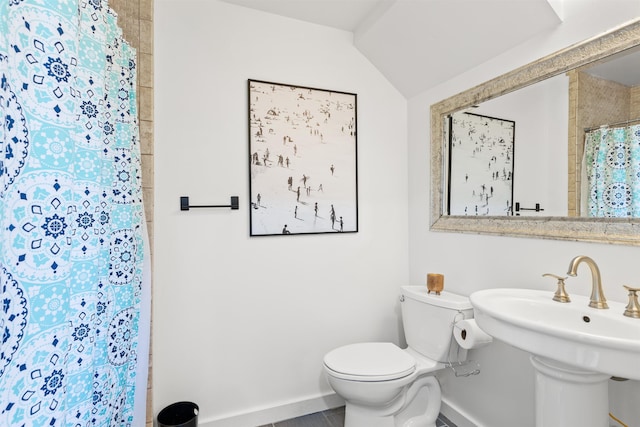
(303, 160)
(481, 172)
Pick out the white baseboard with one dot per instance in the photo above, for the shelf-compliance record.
(457, 415)
(321, 403)
(276, 413)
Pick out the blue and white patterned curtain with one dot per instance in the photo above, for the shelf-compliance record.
(612, 164)
(71, 248)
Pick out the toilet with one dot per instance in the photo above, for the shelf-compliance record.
(386, 386)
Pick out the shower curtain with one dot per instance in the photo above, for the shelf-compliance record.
(72, 242)
(612, 169)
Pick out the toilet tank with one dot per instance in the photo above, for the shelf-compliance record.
(428, 322)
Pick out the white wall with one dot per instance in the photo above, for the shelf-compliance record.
(541, 143)
(241, 324)
(502, 395)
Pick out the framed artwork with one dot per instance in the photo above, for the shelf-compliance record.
(480, 165)
(302, 160)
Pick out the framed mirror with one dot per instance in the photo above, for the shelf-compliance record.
(561, 216)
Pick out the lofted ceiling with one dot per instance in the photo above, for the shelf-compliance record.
(418, 44)
(622, 68)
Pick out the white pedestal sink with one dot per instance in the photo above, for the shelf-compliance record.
(574, 348)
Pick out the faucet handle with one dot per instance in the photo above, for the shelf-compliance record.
(561, 294)
(633, 307)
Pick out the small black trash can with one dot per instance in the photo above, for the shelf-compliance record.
(179, 414)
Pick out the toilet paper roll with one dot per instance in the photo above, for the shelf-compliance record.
(469, 335)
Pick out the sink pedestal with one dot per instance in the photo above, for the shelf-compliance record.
(569, 396)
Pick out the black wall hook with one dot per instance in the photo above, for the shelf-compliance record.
(184, 204)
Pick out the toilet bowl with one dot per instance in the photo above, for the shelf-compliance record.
(386, 386)
(379, 395)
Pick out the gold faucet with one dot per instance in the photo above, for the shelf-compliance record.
(597, 296)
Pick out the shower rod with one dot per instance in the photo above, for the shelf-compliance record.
(625, 122)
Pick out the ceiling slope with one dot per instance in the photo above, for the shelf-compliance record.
(418, 44)
(341, 14)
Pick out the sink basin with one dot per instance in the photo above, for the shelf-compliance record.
(595, 340)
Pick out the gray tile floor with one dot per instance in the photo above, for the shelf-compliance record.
(334, 418)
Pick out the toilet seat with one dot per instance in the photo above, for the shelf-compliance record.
(368, 362)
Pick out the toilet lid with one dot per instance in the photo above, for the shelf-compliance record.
(376, 361)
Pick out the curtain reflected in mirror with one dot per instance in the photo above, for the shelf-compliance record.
(611, 168)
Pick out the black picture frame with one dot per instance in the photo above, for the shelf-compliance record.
(303, 176)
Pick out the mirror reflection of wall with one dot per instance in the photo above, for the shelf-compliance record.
(551, 173)
(540, 158)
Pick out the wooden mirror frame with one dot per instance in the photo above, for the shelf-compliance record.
(601, 230)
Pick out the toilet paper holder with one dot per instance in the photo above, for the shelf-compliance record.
(468, 367)
(465, 369)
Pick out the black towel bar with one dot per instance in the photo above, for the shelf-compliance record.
(537, 208)
(184, 204)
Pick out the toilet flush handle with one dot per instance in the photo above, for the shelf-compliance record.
(401, 298)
